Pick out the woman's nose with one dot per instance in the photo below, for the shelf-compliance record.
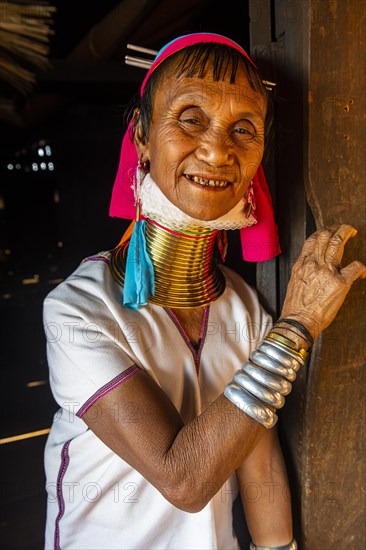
(214, 149)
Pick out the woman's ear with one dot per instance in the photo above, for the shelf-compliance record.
(140, 137)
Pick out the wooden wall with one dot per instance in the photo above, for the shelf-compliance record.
(314, 50)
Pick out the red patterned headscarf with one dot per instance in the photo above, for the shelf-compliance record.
(260, 241)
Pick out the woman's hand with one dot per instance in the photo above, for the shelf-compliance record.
(318, 286)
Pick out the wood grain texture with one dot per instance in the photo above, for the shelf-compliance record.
(277, 46)
(333, 474)
(314, 50)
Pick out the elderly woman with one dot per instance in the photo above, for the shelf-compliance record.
(167, 369)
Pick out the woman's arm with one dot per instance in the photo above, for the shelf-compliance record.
(265, 493)
(186, 463)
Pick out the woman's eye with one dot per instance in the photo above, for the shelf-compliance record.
(245, 131)
(192, 117)
(190, 121)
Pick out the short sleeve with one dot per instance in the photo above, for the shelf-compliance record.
(87, 356)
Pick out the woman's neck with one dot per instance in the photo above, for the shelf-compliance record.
(186, 274)
(185, 270)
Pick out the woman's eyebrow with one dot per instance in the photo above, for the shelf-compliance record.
(251, 115)
(196, 99)
(191, 99)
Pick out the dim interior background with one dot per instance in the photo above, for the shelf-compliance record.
(60, 147)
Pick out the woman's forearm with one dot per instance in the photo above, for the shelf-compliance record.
(265, 493)
(207, 450)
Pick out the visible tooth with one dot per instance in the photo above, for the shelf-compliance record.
(210, 183)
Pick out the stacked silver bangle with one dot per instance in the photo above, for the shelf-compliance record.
(291, 546)
(260, 386)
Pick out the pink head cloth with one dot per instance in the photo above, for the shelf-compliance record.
(260, 241)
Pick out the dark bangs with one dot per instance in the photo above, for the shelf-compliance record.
(223, 59)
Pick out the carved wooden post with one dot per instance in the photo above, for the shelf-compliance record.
(314, 50)
(333, 475)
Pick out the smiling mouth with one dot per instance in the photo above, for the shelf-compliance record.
(207, 183)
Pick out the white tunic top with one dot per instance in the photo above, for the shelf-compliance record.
(95, 499)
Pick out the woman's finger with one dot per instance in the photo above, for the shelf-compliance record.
(353, 271)
(322, 244)
(337, 242)
(309, 245)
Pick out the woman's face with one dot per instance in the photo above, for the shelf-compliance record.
(205, 142)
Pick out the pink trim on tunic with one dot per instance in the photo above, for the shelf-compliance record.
(119, 379)
(65, 459)
(195, 352)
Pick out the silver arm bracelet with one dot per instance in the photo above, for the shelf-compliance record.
(279, 355)
(271, 367)
(286, 349)
(250, 405)
(268, 379)
(265, 394)
(268, 362)
(291, 546)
